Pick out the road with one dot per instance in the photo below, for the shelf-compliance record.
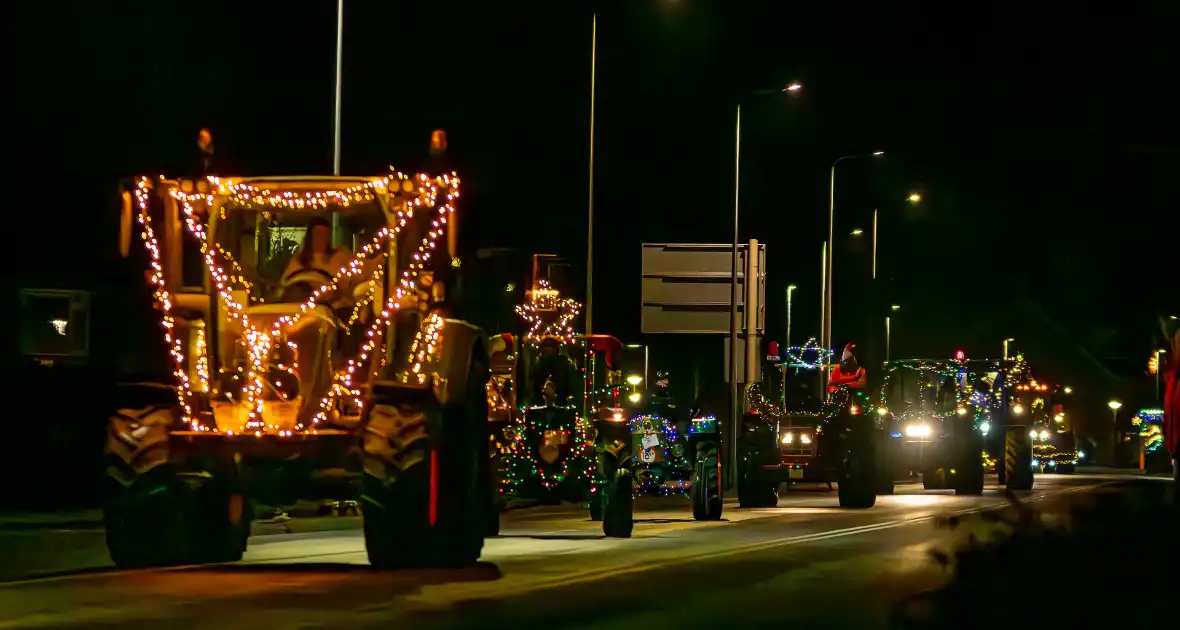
(806, 560)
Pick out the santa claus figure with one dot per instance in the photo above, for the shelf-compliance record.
(848, 372)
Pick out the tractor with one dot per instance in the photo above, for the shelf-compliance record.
(314, 355)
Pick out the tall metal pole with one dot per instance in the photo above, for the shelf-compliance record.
(590, 210)
(874, 243)
(734, 403)
(827, 341)
(823, 284)
(339, 84)
(887, 338)
(753, 271)
(789, 290)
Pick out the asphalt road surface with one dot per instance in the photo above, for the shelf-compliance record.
(806, 561)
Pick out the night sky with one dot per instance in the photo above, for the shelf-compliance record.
(1044, 141)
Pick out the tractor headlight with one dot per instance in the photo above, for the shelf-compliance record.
(918, 431)
(804, 438)
(788, 437)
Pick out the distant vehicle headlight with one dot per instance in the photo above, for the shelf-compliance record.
(918, 430)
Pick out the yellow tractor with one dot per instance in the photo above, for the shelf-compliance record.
(313, 356)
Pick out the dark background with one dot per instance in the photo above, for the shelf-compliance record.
(1043, 139)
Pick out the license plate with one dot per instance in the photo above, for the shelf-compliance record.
(796, 473)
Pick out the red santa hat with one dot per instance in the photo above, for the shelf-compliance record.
(847, 352)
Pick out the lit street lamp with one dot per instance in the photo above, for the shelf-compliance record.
(894, 308)
(735, 402)
(1114, 412)
(826, 324)
(790, 289)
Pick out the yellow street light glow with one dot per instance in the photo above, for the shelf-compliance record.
(795, 86)
(634, 380)
(914, 198)
(1114, 404)
(878, 153)
(857, 232)
(1018, 409)
(634, 397)
(1068, 389)
(882, 411)
(895, 307)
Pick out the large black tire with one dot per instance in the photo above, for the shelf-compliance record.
(933, 479)
(618, 512)
(706, 483)
(1018, 456)
(156, 515)
(594, 504)
(756, 490)
(856, 487)
(164, 519)
(425, 501)
(969, 478)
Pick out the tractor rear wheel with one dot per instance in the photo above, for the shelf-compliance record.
(1018, 458)
(156, 514)
(706, 483)
(167, 519)
(856, 486)
(426, 502)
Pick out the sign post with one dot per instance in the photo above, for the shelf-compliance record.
(687, 289)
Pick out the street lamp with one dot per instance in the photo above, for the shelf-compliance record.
(893, 308)
(1006, 346)
(735, 403)
(1114, 411)
(826, 325)
(790, 289)
(913, 198)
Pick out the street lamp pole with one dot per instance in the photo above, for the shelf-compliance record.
(590, 200)
(339, 87)
(1006, 346)
(735, 399)
(826, 325)
(790, 289)
(888, 329)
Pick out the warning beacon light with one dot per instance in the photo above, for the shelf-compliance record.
(960, 355)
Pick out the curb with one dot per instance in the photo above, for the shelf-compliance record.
(73, 524)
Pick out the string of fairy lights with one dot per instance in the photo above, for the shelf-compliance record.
(547, 314)
(260, 340)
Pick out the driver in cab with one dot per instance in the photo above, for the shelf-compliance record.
(316, 254)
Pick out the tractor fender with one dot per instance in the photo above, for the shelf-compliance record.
(460, 345)
(463, 345)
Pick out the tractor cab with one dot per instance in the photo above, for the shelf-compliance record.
(277, 291)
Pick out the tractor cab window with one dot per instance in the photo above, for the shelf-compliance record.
(261, 244)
